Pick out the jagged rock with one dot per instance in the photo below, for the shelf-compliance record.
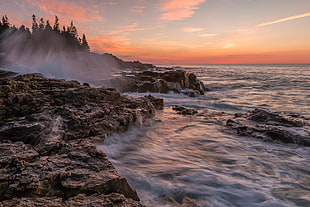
(186, 202)
(177, 81)
(48, 128)
(184, 110)
(272, 125)
(99, 200)
(81, 200)
(33, 202)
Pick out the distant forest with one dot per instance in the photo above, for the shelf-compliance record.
(42, 36)
(43, 40)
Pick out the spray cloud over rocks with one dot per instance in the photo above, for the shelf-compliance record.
(52, 51)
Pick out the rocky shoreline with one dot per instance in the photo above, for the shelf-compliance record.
(49, 129)
(271, 125)
(48, 132)
(157, 81)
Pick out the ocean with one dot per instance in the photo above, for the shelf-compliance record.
(191, 157)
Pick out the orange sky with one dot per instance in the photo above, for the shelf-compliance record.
(182, 31)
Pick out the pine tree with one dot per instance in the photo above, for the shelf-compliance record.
(5, 22)
(46, 37)
(22, 28)
(84, 44)
(56, 24)
(73, 30)
(34, 24)
(41, 24)
(48, 26)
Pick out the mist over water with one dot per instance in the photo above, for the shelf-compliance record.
(53, 57)
(192, 156)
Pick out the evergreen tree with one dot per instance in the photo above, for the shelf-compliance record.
(48, 26)
(34, 24)
(73, 30)
(42, 38)
(4, 25)
(56, 24)
(5, 22)
(41, 24)
(22, 28)
(84, 44)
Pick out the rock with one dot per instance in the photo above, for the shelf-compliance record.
(48, 131)
(271, 125)
(5, 74)
(99, 200)
(34, 202)
(186, 202)
(177, 81)
(274, 118)
(81, 200)
(184, 110)
(191, 92)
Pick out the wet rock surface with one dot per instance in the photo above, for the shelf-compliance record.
(177, 81)
(185, 202)
(184, 110)
(48, 131)
(272, 126)
(4, 74)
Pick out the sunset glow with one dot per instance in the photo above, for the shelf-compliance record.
(181, 31)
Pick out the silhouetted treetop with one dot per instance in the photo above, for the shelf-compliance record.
(45, 37)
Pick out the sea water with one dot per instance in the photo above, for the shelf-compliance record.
(191, 157)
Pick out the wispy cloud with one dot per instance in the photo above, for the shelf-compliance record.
(208, 35)
(124, 29)
(193, 29)
(115, 44)
(229, 45)
(179, 9)
(161, 58)
(285, 19)
(67, 9)
(137, 9)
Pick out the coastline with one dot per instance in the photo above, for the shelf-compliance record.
(49, 128)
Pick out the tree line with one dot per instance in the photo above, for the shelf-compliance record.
(43, 36)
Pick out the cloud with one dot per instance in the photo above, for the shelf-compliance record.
(128, 28)
(160, 58)
(67, 9)
(229, 45)
(208, 35)
(285, 19)
(137, 9)
(193, 29)
(179, 9)
(108, 44)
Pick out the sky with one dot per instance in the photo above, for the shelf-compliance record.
(182, 31)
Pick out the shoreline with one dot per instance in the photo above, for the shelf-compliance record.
(48, 132)
(49, 129)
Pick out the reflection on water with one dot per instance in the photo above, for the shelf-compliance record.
(192, 156)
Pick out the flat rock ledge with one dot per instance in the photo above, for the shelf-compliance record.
(178, 81)
(271, 125)
(48, 132)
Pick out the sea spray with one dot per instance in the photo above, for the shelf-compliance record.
(199, 158)
(51, 54)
